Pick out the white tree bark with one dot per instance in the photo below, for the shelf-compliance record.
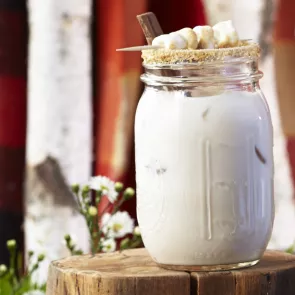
(248, 19)
(59, 136)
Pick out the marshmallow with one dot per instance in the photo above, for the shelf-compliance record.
(160, 40)
(190, 36)
(225, 34)
(175, 41)
(205, 37)
(170, 41)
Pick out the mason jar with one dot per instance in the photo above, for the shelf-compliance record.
(204, 160)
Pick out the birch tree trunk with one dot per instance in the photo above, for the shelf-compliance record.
(253, 19)
(59, 132)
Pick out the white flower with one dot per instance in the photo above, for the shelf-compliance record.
(117, 225)
(108, 245)
(106, 185)
(92, 211)
(34, 292)
(136, 231)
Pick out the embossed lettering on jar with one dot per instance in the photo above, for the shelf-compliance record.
(204, 165)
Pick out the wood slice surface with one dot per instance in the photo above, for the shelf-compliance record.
(133, 272)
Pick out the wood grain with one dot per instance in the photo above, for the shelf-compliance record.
(133, 272)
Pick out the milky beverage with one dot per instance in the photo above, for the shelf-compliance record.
(204, 173)
(203, 151)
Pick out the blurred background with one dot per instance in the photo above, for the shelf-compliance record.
(67, 104)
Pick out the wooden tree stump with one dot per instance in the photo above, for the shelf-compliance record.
(132, 272)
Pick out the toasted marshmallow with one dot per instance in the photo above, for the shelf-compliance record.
(190, 36)
(225, 34)
(160, 40)
(175, 41)
(170, 41)
(205, 37)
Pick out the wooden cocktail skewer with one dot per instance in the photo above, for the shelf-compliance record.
(145, 47)
(139, 48)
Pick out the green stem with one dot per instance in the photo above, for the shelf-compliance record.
(12, 276)
(106, 209)
(135, 243)
(91, 227)
(117, 206)
(79, 202)
(98, 234)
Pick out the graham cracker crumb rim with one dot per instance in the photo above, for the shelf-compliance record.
(187, 56)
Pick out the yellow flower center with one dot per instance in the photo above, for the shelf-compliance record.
(117, 227)
(102, 187)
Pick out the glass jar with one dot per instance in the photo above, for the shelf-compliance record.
(204, 164)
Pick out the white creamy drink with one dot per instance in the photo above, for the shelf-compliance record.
(204, 177)
(203, 147)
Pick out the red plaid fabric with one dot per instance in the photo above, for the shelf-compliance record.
(13, 68)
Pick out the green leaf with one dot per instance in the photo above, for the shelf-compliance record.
(5, 286)
(290, 250)
(43, 287)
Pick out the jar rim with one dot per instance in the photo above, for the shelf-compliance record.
(233, 70)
